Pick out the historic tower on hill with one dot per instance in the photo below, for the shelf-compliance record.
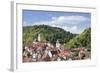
(39, 38)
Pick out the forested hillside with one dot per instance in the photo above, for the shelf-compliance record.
(82, 40)
(48, 33)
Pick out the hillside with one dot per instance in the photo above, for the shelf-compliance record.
(82, 40)
(51, 34)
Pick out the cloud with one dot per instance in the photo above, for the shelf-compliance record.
(72, 29)
(69, 19)
(62, 20)
(68, 23)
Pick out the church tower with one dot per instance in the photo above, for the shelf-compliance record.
(57, 44)
(39, 38)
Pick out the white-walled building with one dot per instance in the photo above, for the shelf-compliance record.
(39, 37)
(57, 44)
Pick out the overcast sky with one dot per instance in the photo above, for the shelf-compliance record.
(74, 22)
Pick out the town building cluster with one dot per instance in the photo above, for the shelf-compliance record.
(45, 51)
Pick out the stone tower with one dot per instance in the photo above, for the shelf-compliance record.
(39, 38)
(57, 44)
